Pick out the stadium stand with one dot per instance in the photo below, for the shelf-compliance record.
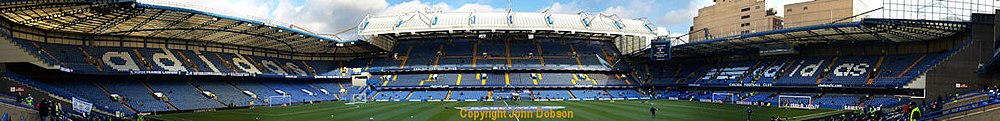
(468, 95)
(246, 63)
(426, 95)
(849, 71)
(121, 60)
(552, 94)
(469, 54)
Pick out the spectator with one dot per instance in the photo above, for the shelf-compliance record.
(915, 114)
(43, 110)
(19, 97)
(30, 100)
(56, 107)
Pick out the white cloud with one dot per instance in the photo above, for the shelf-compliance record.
(252, 8)
(661, 31)
(414, 6)
(327, 16)
(633, 9)
(477, 8)
(618, 10)
(558, 7)
(319, 16)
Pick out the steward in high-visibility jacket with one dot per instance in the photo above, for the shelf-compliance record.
(915, 114)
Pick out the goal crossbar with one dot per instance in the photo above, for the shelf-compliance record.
(732, 97)
(282, 100)
(795, 103)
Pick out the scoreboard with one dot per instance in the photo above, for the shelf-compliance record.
(660, 50)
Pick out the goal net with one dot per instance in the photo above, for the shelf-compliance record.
(723, 98)
(283, 100)
(360, 97)
(357, 99)
(795, 101)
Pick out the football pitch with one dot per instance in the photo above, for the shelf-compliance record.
(631, 110)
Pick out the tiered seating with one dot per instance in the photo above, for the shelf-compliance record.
(262, 92)
(226, 93)
(90, 91)
(295, 91)
(38, 52)
(590, 94)
(521, 79)
(76, 57)
(759, 97)
(428, 95)
(495, 79)
(70, 55)
(136, 95)
(836, 101)
(499, 79)
(885, 101)
(552, 94)
(391, 95)
(964, 104)
(408, 80)
(705, 96)
(468, 95)
(848, 75)
(806, 76)
(334, 89)
(318, 94)
(351, 90)
(555, 79)
(778, 100)
(624, 93)
(846, 71)
(458, 53)
(664, 94)
(183, 95)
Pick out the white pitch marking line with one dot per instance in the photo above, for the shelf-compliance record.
(511, 110)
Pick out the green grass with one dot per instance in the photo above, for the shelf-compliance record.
(632, 110)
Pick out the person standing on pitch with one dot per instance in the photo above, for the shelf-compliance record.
(749, 111)
(652, 110)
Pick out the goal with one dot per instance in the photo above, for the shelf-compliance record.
(357, 99)
(796, 101)
(723, 98)
(283, 100)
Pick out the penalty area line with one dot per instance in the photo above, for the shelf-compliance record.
(511, 109)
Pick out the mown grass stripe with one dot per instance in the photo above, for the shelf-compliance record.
(401, 114)
(584, 110)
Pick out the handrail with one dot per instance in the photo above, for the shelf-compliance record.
(962, 108)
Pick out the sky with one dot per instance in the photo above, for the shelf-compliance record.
(672, 17)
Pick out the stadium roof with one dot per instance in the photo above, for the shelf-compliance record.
(630, 35)
(866, 30)
(169, 20)
(528, 21)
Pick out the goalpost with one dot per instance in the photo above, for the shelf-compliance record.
(357, 99)
(794, 101)
(360, 97)
(732, 99)
(283, 100)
